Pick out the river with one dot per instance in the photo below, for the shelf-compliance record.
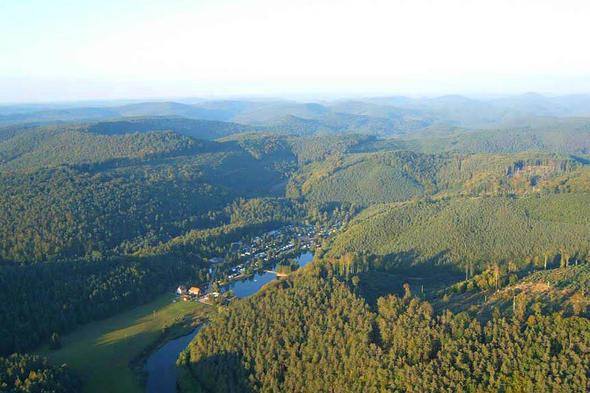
(161, 365)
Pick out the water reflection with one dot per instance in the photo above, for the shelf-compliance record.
(249, 286)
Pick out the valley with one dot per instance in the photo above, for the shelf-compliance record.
(275, 196)
(349, 250)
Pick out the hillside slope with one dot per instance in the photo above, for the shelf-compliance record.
(474, 231)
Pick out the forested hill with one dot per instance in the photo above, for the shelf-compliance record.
(565, 137)
(390, 176)
(201, 129)
(78, 193)
(492, 226)
(474, 230)
(86, 217)
(41, 146)
(313, 332)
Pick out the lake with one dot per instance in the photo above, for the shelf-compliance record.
(161, 365)
(250, 285)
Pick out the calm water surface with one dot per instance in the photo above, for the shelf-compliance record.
(250, 285)
(161, 365)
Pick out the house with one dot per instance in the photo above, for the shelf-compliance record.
(216, 260)
(195, 291)
(181, 290)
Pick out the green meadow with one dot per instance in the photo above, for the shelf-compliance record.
(101, 352)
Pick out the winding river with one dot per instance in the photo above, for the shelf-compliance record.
(161, 365)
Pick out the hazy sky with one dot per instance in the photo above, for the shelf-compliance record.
(65, 50)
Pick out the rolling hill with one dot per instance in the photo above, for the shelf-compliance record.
(472, 231)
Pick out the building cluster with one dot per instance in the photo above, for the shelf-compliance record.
(260, 252)
(200, 293)
(276, 243)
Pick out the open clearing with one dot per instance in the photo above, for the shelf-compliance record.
(100, 352)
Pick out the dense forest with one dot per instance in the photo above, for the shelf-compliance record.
(91, 207)
(29, 374)
(455, 256)
(475, 231)
(316, 328)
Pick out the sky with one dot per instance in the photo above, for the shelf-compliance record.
(79, 50)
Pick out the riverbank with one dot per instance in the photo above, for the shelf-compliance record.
(252, 284)
(110, 354)
(107, 353)
(161, 367)
(184, 328)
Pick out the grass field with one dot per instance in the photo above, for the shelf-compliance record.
(100, 352)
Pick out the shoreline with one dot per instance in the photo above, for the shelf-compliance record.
(169, 333)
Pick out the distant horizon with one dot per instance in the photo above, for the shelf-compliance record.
(300, 98)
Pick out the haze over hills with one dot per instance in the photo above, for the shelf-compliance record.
(383, 115)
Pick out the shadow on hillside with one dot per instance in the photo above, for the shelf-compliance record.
(426, 276)
(222, 372)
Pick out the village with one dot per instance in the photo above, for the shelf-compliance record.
(269, 252)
